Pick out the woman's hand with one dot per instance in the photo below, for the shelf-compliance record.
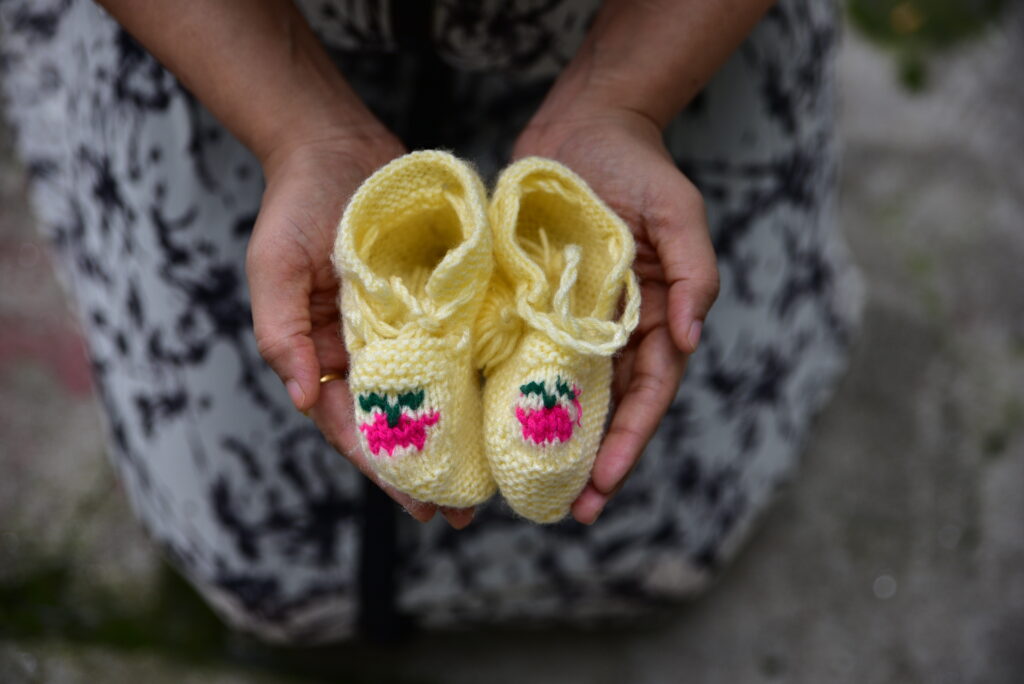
(640, 65)
(260, 69)
(294, 289)
(621, 155)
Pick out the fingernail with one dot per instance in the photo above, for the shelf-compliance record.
(296, 393)
(693, 337)
(420, 512)
(456, 523)
(592, 499)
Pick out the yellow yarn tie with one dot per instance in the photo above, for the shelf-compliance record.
(586, 335)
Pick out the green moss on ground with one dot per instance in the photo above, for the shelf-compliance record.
(46, 605)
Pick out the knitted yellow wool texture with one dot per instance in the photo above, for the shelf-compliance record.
(547, 331)
(414, 256)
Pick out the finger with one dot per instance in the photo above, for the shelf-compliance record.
(657, 370)
(622, 371)
(330, 349)
(677, 226)
(653, 302)
(279, 286)
(588, 505)
(333, 415)
(458, 518)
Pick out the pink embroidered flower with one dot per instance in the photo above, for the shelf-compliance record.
(380, 436)
(551, 422)
(391, 427)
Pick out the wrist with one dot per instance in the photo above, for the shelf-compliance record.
(367, 143)
(607, 80)
(553, 127)
(588, 96)
(291, 95)
(651, 58)
(318, 108)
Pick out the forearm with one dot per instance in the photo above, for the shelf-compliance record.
(650, 56)
(255, 64)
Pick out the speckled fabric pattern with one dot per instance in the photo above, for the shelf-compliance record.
(149, 203)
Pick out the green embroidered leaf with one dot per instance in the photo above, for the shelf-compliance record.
(564, 389)
(411, 400)
(532, 388)
(538, 388)
(368, 401)
(394, 412)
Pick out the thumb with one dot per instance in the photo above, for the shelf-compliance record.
(678, 230)
(280, 289)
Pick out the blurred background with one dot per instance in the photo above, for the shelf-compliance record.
(896, 556)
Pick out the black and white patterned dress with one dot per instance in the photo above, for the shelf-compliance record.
(149, 203)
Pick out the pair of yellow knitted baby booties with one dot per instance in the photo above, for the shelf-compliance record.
(439, 284)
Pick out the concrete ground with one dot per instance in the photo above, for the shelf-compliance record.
(897, 556)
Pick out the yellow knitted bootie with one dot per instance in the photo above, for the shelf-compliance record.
(547, 332)
(414, 257)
